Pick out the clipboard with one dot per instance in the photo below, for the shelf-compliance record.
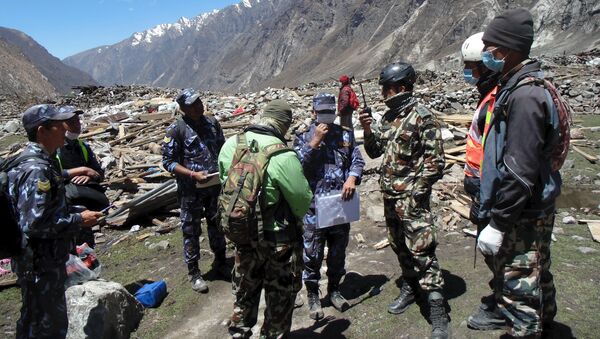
(332, 210)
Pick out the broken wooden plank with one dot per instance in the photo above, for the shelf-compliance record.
(457, 159)
(594, 228)
(456, 150)
(588, 157)
(382, 244)
(460, 209)
(469, 232)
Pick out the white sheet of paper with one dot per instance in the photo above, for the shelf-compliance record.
(332, 210)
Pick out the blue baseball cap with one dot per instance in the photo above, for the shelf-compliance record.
(324, 102)
(36, 115)
(187, 97)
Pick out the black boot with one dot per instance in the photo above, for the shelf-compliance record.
(315, 311)
(404, 300)
(438, 316)
(337, 300)
(486, 318)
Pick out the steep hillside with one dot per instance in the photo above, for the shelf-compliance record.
(258, 43)
(61, 76)
(20, 80)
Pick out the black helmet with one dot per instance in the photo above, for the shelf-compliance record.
(397, 72)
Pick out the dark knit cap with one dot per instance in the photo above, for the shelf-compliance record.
(279, 110)
(512, 29)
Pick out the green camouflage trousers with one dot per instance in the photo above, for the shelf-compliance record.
(277, 269)
(412, 236)
(527, 297)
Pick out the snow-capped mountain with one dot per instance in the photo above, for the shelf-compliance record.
(257, 43)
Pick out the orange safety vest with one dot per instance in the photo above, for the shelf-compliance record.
(476, 139)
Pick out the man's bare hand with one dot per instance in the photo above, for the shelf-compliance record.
(365, 121)
(320, 134)
(83, 171)
(80, 180)
(90, 218)
(349, 188)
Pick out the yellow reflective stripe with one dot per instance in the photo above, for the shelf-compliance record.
(58, 159)
(86, 155)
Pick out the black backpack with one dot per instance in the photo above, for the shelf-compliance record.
(12, 235)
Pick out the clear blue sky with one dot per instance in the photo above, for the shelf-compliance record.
(67, 27)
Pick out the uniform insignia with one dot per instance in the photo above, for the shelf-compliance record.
(44, 185)
(167, 139)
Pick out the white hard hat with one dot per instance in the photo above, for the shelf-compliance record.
(472, 47)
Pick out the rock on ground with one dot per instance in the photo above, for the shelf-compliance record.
(101, 309)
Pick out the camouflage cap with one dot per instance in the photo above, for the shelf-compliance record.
(187, 97)
(324, 102)
(36, 115)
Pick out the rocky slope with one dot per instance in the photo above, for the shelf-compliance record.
(260, 43)
(61, 76)
(20, 79)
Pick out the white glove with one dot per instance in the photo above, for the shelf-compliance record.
(490, 240)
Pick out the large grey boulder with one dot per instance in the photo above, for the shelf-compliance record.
(101, 309)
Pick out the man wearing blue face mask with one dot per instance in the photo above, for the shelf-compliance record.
(520, 179)
(331, 161)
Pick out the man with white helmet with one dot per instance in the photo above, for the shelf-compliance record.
(487, 316)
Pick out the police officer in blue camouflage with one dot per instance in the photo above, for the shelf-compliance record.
(37, 194)
(190, 151)
(331, 161)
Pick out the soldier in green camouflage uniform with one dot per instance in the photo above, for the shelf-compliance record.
(409, 139)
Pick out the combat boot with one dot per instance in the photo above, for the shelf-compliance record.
(486, 318)
(315, 312)
(438, 316)
(198, 283)
(404, 300)
(336, 298)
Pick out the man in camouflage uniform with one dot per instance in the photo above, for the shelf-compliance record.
(520, 180)
(190, 151)
(274, 263)
(331, 161)
(37, 193)
(409, 139)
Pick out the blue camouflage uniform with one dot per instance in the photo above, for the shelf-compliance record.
(326, 169)
(36, 188)
(195, 145)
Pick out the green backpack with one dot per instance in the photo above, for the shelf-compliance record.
(240, 199)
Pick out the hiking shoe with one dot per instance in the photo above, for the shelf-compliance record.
(404, 300)
(438, 316)
(338, 301)
(486, 320)
(315, 312)
(198, 284)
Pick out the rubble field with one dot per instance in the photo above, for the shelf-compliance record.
(141, 240)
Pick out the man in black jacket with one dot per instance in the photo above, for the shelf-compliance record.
(519, 185)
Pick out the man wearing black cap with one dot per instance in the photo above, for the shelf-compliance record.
(37, 194)
(519, 183)
(190, 151)
(79, 165)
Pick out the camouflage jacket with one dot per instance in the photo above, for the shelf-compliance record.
(409, 138)
(38, 200)
(196, 148)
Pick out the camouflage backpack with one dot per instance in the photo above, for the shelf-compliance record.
(240, 199)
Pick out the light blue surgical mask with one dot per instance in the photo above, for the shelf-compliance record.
(491, 62)
(469, 78)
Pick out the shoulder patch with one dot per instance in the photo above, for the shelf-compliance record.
(167, 139)
(44, 185)
(423, 111)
